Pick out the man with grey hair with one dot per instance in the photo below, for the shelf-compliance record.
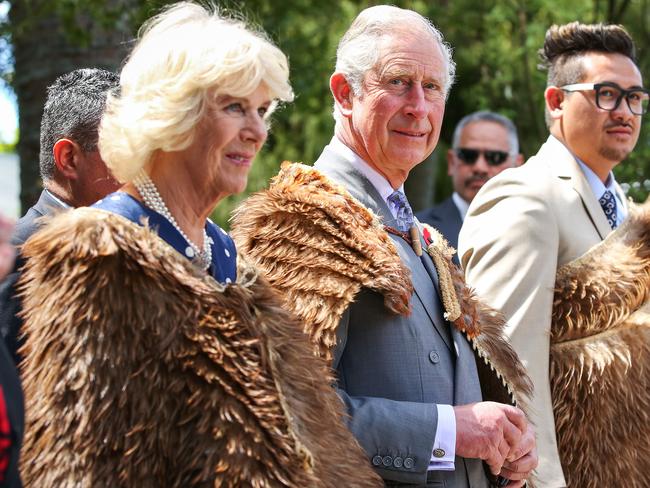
(484, 144)
(350, 259)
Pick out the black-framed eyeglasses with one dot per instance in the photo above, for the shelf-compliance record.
(470, 156)
(609, 96)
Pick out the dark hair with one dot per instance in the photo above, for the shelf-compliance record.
(73, 109)
(565, 45)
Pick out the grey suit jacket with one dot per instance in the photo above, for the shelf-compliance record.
(444, 217)
(10, 305)
(393, 370)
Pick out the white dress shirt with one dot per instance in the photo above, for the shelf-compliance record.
(445, 437)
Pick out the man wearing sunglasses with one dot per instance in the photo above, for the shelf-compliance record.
(484, 144)
(526, 224)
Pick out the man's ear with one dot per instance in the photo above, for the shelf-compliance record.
(519, 160)
(554, 97)
(66, 157)
(342, 93)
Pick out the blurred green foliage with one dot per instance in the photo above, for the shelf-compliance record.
(495, 48)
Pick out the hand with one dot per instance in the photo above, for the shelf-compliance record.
(493, 432)
(7, 252)
(521, 461)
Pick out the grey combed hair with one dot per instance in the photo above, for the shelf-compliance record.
(487, 116)
(357, 51)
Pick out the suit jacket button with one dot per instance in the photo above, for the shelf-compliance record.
(398, 462)
(438, 453)
(434, 357)
(408, 463)
(376, 461)
(388, 461)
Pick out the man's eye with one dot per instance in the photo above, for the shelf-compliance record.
(397, 82)
(430, 86)
(609, 93)
(634, 96)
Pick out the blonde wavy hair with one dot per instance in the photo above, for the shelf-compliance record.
(186, 57)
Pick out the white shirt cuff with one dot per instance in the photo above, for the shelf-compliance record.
(444, 444)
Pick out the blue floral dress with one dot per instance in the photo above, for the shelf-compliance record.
(224, 254)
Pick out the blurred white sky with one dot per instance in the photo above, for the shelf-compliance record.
(8, 115)
(8, 110)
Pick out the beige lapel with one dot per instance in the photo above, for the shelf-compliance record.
(567, 168)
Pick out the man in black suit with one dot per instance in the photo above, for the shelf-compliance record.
(72, 170)
(484, 144)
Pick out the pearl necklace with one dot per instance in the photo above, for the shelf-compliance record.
(153, 200)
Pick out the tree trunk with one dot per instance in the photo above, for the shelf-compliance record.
(43, 52)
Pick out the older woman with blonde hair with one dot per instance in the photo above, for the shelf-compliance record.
(155, 355)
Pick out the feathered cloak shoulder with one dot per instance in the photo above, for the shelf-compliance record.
(141, 371)
(600, 359)
(320, 246)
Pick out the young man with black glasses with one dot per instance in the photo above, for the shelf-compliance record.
(532, 246)
(484, 144)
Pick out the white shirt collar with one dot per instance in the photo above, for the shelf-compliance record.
(378, 181)
(461, 205)
(57, 199)
(597, 186)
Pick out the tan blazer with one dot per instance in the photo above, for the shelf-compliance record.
(522, 225)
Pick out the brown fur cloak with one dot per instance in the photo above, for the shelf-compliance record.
(141, 371)
(320, 246)
(600, 359)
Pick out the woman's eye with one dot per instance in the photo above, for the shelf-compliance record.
(235, 108)
(262, 111)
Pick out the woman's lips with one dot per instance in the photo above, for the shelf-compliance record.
(240, 159)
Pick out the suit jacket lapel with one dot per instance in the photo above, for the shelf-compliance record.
(566, 167)
(341, 171)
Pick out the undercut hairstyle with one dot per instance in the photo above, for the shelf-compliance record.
(487, 116)
(186, 58)
(357, 51)
(566, 45)
(73, 110)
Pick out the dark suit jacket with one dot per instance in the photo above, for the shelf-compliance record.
(10, 323)
(12, 417)
(393, 370)
(446, 218)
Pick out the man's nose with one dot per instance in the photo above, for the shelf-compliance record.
(416, 104)
(481, 165)
(623, 113)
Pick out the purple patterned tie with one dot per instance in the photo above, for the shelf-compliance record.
(404, 212)
(608, 202)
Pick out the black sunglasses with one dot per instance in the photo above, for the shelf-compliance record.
(469, 156)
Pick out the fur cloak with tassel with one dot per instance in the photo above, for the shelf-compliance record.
(600, 359)
(141, 371)
(320, 246)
